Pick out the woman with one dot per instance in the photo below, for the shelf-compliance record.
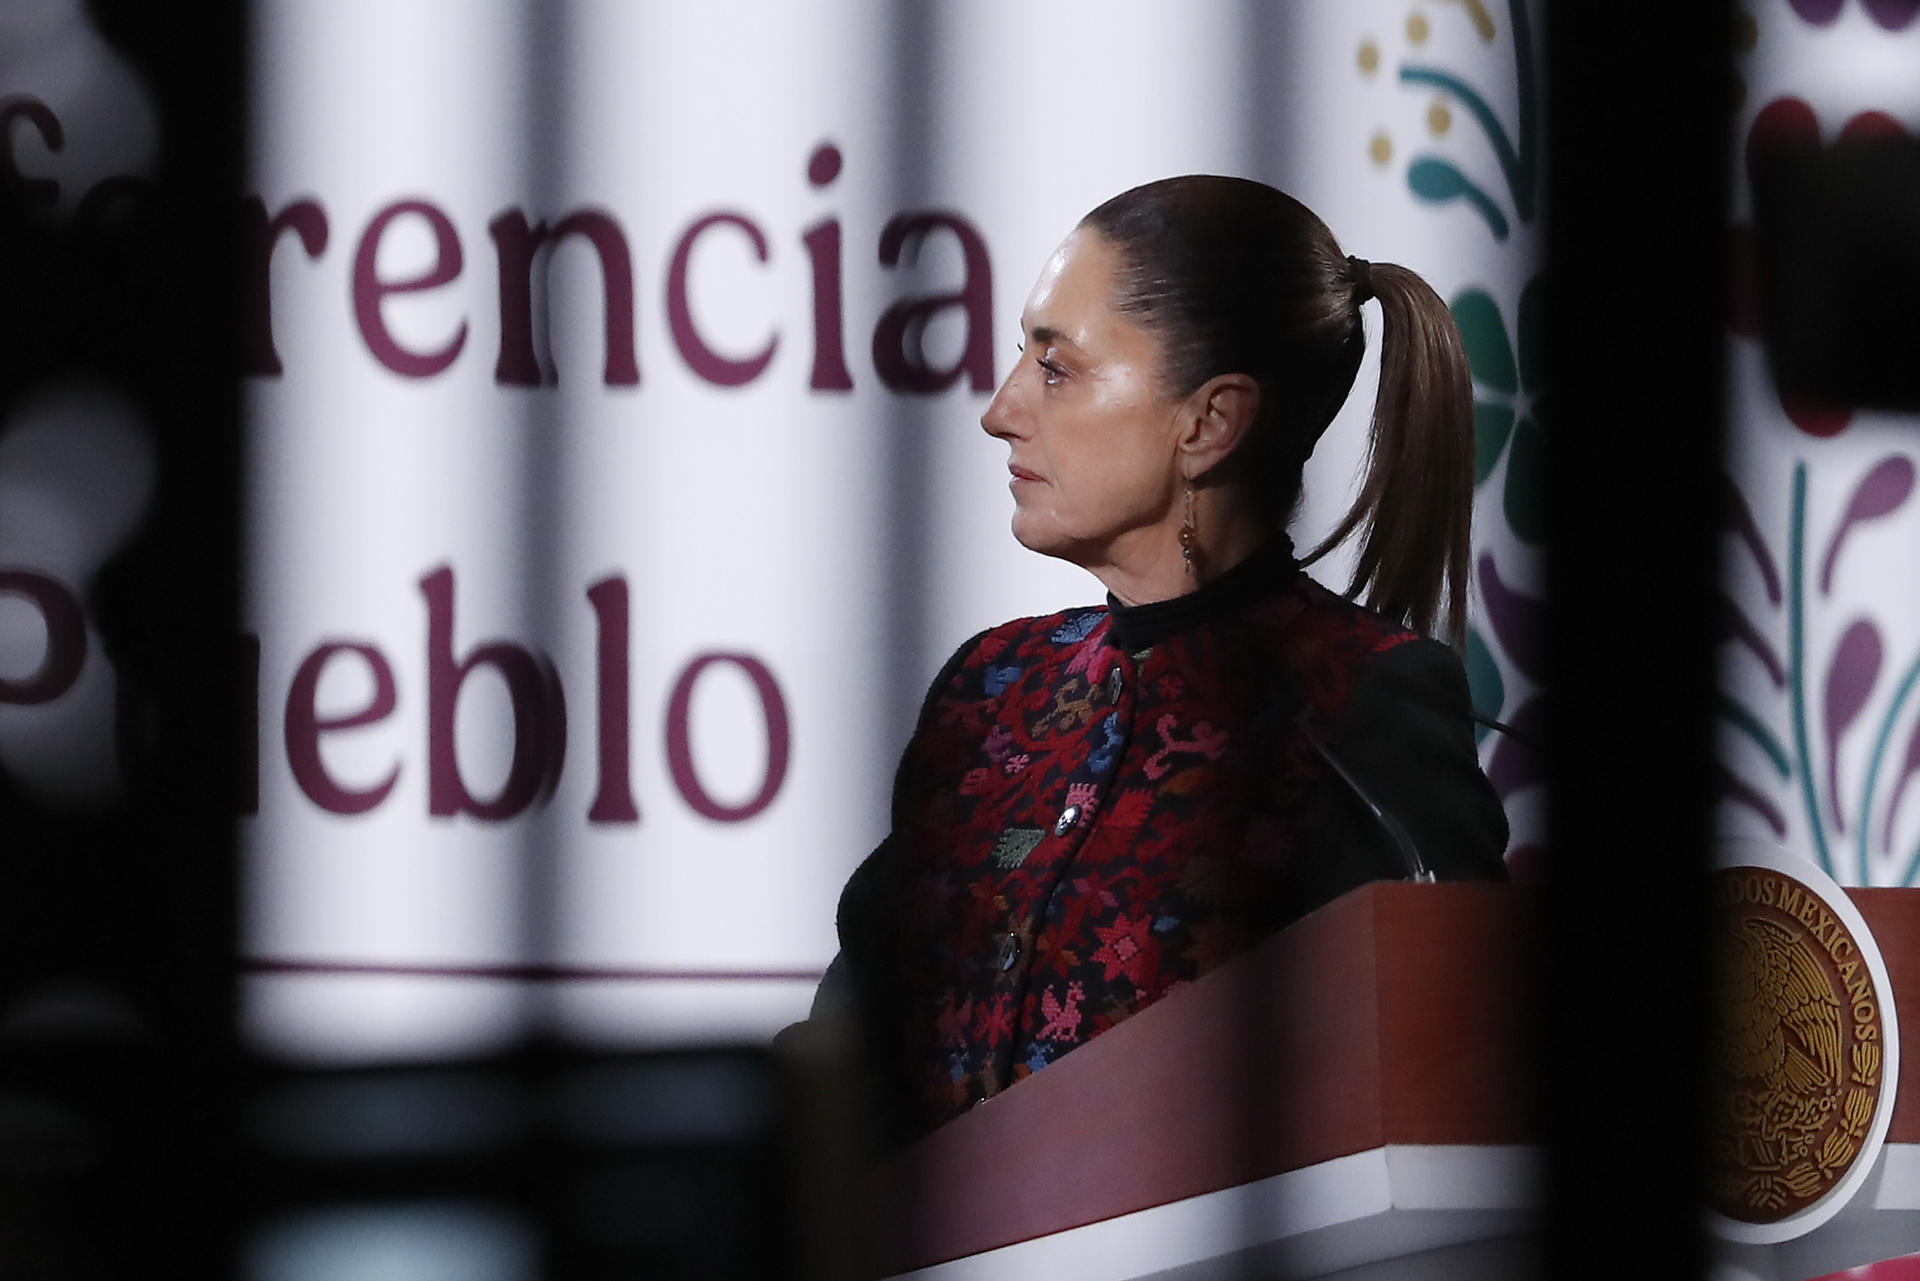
(1102, 804)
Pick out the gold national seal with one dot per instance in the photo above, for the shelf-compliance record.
(1801, 1049)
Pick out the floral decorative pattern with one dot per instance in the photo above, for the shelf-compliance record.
(1437, 180)
(1888, 15)
(1820, 648)
(1508, 377)
(1851, 675)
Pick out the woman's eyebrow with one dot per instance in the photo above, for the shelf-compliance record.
(1048, 334)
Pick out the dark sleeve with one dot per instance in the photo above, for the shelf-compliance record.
(867, 914)
(1405, 738)
(857, 992)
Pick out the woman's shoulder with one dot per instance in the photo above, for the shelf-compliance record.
(1328, 639)
(1324, 614)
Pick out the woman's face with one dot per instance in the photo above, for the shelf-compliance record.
(1092, 441)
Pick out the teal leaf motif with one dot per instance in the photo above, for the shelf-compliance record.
(1436, 181)
(1507, 411)
(1741, 718)
(1484, 334)
(1519, 160)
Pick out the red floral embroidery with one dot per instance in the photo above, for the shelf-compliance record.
(1130, 810)
(1124, 947)
(994, 1023)
(1150, 882)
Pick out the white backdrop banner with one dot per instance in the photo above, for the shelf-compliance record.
(616, 482)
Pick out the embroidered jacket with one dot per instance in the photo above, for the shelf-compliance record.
(1100, 805)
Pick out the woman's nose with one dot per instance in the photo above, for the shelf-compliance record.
(998, 420)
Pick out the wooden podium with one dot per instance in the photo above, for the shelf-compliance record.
(1351, 1097)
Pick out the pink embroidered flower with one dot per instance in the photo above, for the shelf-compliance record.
(1084, 795)
(1016, 763)
(1125, 947)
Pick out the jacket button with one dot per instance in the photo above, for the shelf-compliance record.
(1008, 952)
(1068, 817)
(1114, 682)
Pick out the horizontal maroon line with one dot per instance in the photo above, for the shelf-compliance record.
(521, 973)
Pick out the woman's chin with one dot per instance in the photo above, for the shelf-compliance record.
(1031, 534)
(1036, 537)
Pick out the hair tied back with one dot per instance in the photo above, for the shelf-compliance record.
(1360, 272)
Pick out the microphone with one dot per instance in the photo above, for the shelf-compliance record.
(1417, 869)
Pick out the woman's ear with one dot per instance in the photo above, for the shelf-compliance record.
(1214, 420)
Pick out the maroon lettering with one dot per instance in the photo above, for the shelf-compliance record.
(32, 193)
(539, 715)
(369, 290)
(305, 725)
(680, 749)
(823, 251)
(613, 800)
(66, 628)
(702, 359)
(897, 354)
(261, 234)
(554, 721)
(515, 244)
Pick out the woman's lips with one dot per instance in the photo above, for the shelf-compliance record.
(1021, 473)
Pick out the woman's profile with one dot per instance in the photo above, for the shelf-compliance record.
(1102, 804)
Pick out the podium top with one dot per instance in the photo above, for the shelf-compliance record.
(1396, 1014)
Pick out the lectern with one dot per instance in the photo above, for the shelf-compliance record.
(1350, 1098)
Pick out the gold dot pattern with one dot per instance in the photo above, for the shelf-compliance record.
(1417, 29)
(1481, 19)
(1439, 119)
(1380, 148)
(1369, 57)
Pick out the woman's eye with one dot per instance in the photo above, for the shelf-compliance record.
(1053, 370)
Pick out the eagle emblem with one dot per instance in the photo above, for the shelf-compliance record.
(1797, 1071)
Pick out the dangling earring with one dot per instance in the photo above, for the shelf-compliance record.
(1186, 533)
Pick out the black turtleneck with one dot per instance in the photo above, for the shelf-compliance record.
(1138, 627)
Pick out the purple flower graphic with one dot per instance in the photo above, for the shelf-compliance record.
(1888, 15)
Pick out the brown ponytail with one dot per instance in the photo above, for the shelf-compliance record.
(1237, 277)
(1415, 507)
